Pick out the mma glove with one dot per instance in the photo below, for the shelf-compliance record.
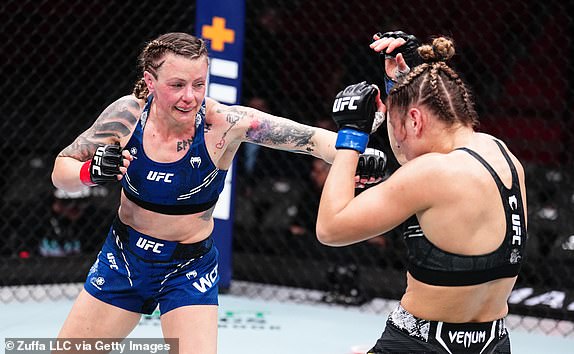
(354, 113)
(372, 163)
(103, 167)
(409, 51)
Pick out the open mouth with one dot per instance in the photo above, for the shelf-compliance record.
(185, 110)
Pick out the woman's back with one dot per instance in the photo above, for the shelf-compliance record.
(467, 233)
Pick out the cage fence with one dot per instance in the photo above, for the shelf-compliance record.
(63, 61)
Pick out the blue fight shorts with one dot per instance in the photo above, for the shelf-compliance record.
(405, 333)
(137, 272)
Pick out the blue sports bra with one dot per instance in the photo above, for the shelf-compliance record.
(431, 265)
(187, 186)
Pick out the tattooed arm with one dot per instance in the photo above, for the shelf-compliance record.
(113, 126)
(253, 126)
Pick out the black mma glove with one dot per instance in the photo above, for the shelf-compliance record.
(354, 113)
(103, 167)
(372, 163)
(409, 51)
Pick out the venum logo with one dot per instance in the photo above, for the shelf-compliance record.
(195, 161)
(146, 245)
(467, 338)
(207, 281)
(340, 103)
(160, 176)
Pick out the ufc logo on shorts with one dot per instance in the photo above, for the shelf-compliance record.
(160, 176)
(340, 103)
(149, 245)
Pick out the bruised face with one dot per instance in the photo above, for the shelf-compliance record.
(179, 86)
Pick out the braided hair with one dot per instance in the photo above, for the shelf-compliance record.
(151, 58)
(437, 86)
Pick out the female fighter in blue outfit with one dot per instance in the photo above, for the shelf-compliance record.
(171, 148)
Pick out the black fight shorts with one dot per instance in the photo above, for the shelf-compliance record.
(405, 333)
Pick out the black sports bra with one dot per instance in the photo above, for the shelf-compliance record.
(431, 265)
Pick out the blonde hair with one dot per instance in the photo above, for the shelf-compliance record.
(178, 43)
(436, 85)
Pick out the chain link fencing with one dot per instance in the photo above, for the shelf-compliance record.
(63, 61)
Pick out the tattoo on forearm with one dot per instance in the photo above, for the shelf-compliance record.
(233, 115)
(114, 123)
(184, 144)
(206, 216)
(268, 132)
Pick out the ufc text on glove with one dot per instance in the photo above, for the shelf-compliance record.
(354, 113)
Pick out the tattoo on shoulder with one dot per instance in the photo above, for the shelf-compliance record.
(114, 123)
(269, 132)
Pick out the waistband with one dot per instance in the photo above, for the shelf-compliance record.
(471, 337)
(156, 250)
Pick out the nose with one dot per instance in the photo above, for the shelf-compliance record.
(188, 94)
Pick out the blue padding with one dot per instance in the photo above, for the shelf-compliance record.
(352, 139)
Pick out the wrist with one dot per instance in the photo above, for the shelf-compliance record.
(389, 83)
(85, 177)
(348, 138)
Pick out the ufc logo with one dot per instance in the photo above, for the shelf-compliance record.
(97, 161)
(341, 102)
(158, 176)
(147, 245)
(516, 227)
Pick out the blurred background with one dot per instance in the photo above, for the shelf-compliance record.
(64, 61)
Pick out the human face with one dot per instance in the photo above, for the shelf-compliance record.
(179, 88)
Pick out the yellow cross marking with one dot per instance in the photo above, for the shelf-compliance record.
(218, 34)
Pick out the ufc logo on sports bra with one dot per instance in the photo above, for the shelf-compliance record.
(149, 245)
(516, 228)
(160, 176)
(340, 103)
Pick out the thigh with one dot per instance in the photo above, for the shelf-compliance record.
(92, 318)
(195, 327)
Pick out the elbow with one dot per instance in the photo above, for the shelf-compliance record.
(327, 235)
(56, 180)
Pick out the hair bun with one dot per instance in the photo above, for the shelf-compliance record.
(441, 49)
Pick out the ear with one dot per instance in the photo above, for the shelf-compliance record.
(416, 120)
(149, 81)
